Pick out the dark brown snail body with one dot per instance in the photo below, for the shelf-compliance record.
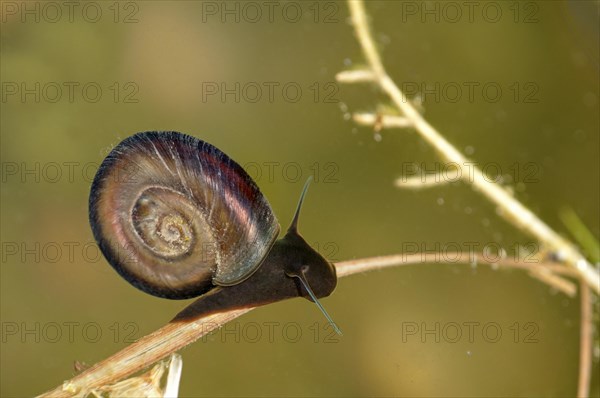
(177, 218)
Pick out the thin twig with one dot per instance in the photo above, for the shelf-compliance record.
(355, 76)
(509, 207)
(423, 181)
(586, 336)
(177, 334)
(385, 121)
(567, 287)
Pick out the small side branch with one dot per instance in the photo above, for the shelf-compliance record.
(381, 121)
(355, 76)
(422, 181)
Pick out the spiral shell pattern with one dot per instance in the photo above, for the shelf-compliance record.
(175, 216)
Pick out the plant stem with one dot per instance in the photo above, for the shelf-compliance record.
(510, 208)
(586, 337)
(178, 334)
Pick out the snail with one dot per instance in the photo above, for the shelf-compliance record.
(177, 218)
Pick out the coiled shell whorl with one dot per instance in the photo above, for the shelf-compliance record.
(175, 216)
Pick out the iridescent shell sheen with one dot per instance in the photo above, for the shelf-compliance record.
(175, 216)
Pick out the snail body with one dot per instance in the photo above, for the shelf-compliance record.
(260, 289)
(177, 218)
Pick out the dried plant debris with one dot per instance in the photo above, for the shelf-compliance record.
(153, 383)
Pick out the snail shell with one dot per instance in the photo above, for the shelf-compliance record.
(175, 216)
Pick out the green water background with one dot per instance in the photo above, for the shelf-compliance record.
(546, 149)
